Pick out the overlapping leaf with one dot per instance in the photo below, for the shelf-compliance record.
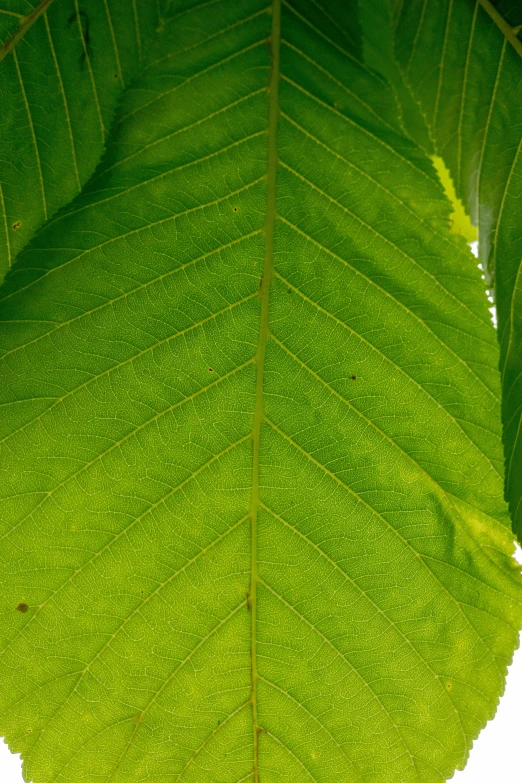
(253, 524)
(63, 66)
(463, 62)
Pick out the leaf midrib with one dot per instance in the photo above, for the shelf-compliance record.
(273, 44)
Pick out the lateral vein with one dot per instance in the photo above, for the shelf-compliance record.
(509, 33)
(25, 23)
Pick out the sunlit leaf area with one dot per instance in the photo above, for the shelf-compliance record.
(260, 387)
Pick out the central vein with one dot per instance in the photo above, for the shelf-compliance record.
(264, 328)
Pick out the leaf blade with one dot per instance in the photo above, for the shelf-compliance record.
(64, 57)
(481, 110)
(387, 603)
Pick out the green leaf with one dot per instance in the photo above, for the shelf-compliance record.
(253, 524)
(63, 65)
(460, 222)
(379, 20)
(463, 64)
(508, 247)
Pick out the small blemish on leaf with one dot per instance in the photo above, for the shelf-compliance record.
(449, 686)
(83, 21)
(210, 369)
(235, 209)
(136, 719)
(353, 378)
(17, 224)
(22, 608)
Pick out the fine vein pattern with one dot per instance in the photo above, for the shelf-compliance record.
(475, 63)
(78, 57)
(251, 465)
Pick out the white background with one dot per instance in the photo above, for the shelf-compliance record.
(495, 756)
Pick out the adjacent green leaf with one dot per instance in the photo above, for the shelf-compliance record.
(378, 20)
(62, 68)
(463, 62)
(508, 248)
(253, 524)
(460, 222)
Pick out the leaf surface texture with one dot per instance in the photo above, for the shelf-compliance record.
(253, 521)
(464, 64)
(63, 66)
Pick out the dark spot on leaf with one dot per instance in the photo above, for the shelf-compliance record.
(83, 21)
(81, 15)
(210, 369)
(235, 209)
(354, 378)
(289, 291)
(17, 224)
(115, 75)
(22, 608)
